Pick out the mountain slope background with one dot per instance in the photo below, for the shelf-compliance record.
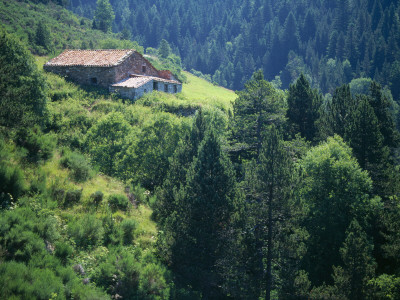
(332, 42)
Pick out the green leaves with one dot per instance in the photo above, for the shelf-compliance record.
(257, 106)
(335, 190)
(303, 105)
(106, 140)
(104, 16)
(22, 87)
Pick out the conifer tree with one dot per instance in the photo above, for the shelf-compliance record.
(205, 208)
(381, 106)
(337, 114)
(164, 50)
(179, 164)
(358, 263)
(104, 15)
(42, 36)
(303, 105)
(257, 106)
(366, 140)
(270, 184)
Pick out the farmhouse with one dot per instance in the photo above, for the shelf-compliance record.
(125, 72)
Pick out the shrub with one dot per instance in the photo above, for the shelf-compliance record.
(72, 197)
(78, 164)
(112, 232)
(128, 227)
(39, 146)
(118, 201)
(63, 251)
(11, 184)
(86, 231)
(96, 198)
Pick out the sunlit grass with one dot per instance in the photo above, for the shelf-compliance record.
(201, 91)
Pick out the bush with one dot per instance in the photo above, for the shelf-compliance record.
(112, 231)
(86, 231)
(96, 198)
(72, 197)
(118, 201)
(39, 146)
(128, 227)
(78, 164)
(63, 251)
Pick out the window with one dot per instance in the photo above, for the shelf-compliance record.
(166, 88)
(175, 89)
(93, 80)
(155, 85)
(143, 69)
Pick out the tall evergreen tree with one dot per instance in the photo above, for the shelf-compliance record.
(364, 136)
(303, 106)
(358, 263)
(335, 117)
(381, 106)
(257, 106)
(104, 15)
(205, 208)
(270, 185)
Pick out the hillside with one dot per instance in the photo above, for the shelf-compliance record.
(50, 28)
(68, 220)
(331, 41)
(261, 193)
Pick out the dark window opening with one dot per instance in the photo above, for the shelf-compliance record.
(93, 80)
(175, 89)
(155, 85)
(166, 88)
(144, 69)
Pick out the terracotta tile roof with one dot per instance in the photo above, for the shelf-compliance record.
(90, 58)
(138, 80)
(133, 82)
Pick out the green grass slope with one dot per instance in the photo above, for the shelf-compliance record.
(66, 29)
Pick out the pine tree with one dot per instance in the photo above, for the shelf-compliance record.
(206, 205)
(381, 106)
(164, 49)
(358, 263)
(335, 117)
(103, 16)
(43, 36)
(365, 138)
(270, 184)
(179, 164)
(303, 105)
(257, 106)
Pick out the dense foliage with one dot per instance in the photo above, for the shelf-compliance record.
(331, 42)
(274, 194)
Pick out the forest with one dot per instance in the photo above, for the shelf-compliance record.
(332, 42)
(287, 188)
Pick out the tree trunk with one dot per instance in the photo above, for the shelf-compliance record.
(269, 241)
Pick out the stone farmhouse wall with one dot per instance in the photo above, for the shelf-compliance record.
(136, 93)
(134, 64)
(103, 76)
(169, 87)
(132, 93)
